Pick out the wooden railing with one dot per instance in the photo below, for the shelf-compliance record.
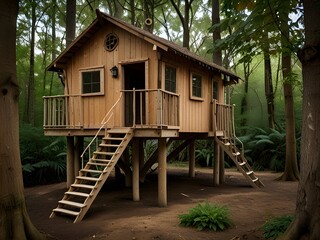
(59, 111)
(152, 108)
(223, 122)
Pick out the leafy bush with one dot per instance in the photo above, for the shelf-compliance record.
(43, 158)
(211, 216)
(275, 227)
(266, 149)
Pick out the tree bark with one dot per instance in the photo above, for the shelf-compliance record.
(291, 172)
(14, 220)
(307, 224)
(70, 21)
(216, 35)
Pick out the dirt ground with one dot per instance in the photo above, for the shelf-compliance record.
(115, 216)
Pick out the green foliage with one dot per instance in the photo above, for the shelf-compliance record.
(275, 227)
(204, 153)
(43, 158)
(207, 216)
(266, 149)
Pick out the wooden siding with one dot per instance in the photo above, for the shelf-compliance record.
(88, 111)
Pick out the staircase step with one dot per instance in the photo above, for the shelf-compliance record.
(90, 170)
(254, 180)
(74, 204)
(227, 144)
(97, 164)
(236, 154)
(108, 145)
(242, 163)
(65, 211)
(105, 153)
(86, 186)
(106, 161)
(114, 138)
(81, 194)
(250, 172)
(88, 178)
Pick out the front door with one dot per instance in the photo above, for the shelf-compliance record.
(134, 78)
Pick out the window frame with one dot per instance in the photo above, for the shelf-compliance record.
(192, 96)
(175, 80)
(215, 91)
(99, 69)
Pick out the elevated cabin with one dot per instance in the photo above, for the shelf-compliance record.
(125, 85)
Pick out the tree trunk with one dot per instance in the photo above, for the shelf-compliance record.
(70, 21)
(29, 105)
(244, 101)
(268, 83)
(306, 224)
(216, 35)
(291, 172)
(148, 10)
(14, 220)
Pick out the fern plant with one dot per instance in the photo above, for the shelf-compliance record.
(207, 216)
(275, 227)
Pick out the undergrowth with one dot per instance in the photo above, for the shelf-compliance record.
(275, 227)
(207, 216)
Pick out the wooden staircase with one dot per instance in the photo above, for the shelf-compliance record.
(240, 161)
(81, 194)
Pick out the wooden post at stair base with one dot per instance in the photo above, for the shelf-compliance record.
(192, 159)
(70, 161)
(77, 153)
(221, 171)
(216, 171)
(135, 170)
(162, 173)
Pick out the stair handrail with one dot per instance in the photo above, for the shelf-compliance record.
(235, 138)
(103, 123)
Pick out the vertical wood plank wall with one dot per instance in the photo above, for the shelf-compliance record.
(194, 115)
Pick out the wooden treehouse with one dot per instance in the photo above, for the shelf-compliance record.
(123, 85)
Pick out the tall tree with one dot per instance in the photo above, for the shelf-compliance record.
(70, 21)
(216, 32)
(291, 172)
(14, 219)
(306, 224)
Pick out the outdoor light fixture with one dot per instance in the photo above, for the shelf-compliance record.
(114, 72)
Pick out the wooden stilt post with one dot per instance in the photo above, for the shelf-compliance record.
(77, 154)
(141, 154)
(221, 170)
(162, 173)
(135, 170)
(192, 158)
(216, 171)
(70, 161)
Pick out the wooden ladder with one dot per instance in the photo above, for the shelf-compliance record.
(81, 194)
(240, 161)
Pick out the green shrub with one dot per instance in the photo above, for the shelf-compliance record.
(207, 216)
(275, 227)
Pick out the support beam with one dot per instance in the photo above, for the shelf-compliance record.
(135, 170)
(216, 170)
(192, 158)
(162, 173)
(70, 161)
(221, 170)
(77, 153)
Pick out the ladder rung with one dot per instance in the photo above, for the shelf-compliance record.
(105, 153)
(69, 212)
(90, 170)
(81, 194)
(108, 145)
(250, 172)
(100, 160)
(227, 144)
(97, 164)
(242, 163)
(87, 178)
(76, 185)
(236, 153)
(114, 138)
(254, 180)
(74, 204)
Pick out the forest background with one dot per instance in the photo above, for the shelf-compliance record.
(252, 45)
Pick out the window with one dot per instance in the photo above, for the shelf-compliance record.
(196, 86)
(92, 81)
(215, 90)
(170, 79)
(111, 42)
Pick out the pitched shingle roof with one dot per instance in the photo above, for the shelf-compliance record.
(61, 60)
